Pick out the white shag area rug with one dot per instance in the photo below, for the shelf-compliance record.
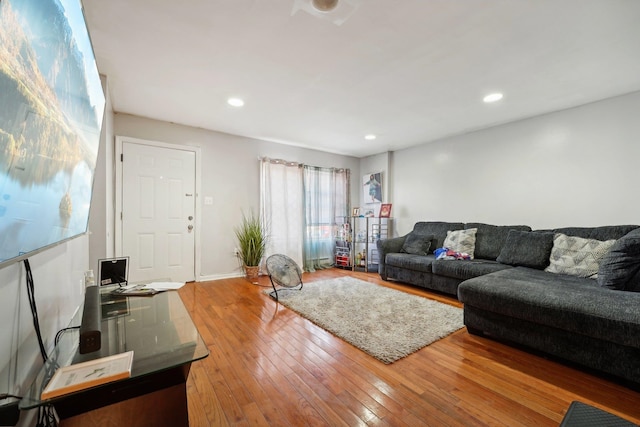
(383, 322)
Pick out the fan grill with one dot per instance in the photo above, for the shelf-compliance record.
(284, 272)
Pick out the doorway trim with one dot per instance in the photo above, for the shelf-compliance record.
(120, 140)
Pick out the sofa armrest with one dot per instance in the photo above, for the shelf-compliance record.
(387, 246)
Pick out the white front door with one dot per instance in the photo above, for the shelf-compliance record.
(158, 211)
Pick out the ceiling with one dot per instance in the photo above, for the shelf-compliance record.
(410, 71)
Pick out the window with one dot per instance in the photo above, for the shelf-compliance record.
(301, 204)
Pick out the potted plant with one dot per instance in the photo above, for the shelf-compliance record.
(252, 242)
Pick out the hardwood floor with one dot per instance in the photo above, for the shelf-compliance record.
(269, 366)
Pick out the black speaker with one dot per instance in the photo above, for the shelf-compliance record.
(9, 411)
(90, 330)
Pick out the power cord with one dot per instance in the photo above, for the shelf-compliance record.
(261, 285)
(61, 331)
(46, 413)
(34, 308)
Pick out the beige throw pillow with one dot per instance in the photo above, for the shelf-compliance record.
(461, 241)
(577, 256)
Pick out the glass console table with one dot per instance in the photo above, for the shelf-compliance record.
(165, 342)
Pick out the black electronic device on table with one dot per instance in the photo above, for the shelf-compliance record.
(90, 328)
(113, 271)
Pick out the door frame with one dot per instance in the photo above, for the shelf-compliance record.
(120, 140)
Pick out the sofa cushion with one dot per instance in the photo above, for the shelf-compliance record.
(410, 262)
(413, 277)
(466, 269)
(438, 230)
(527, 249)
(620, 268)
(463, 241)
(417, 244)
(576, 256)
(606, 232)
(491, 238)
(571, 303)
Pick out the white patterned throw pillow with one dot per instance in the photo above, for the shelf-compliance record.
(577, 256)
(463, 241)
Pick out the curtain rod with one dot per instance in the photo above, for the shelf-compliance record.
(300, 165)
(280, 161)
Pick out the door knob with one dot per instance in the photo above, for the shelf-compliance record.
(190, 218)
(190, 227)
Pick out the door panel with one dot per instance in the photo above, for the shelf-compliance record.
(158, 210)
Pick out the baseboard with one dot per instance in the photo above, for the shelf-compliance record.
(219, 276)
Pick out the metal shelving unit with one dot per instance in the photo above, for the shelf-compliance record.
(366, 231)
(343, 240)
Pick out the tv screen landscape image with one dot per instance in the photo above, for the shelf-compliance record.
(51, 110)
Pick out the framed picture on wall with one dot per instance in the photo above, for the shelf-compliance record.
(372, 187)
(356, 212)
(385, 210)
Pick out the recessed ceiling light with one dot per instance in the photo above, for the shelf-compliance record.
(370, 137)
(493, 97)
(235, 102)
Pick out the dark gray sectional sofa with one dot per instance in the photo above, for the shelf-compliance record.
(508, 295)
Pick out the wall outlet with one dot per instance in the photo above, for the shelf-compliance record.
(236, 251)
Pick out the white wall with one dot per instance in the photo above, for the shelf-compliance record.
(58, 274)
(577, 167)
(230, 175)
(573, 167)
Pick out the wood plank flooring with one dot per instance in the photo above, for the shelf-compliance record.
(270, 367)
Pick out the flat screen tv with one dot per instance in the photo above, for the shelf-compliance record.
(51, 109)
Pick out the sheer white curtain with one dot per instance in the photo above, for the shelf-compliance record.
(281, 204)
(326, 195)
(300, 204)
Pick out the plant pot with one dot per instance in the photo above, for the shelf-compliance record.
(251, 273)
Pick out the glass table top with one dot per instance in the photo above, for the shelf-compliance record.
(157, 328)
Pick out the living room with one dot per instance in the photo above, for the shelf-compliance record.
(571, 167)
